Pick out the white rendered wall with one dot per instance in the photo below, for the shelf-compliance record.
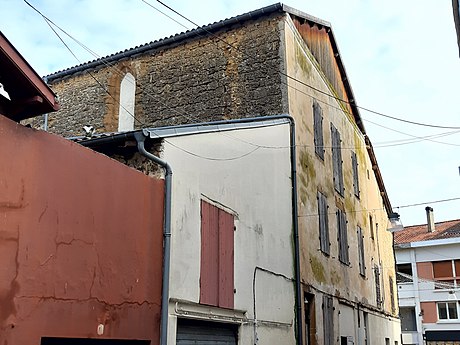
(256, 188)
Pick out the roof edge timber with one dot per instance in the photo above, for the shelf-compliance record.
(28, 74)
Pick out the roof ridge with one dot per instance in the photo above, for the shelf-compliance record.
(175, 38)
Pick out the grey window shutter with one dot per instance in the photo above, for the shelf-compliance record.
(337, 160)
(342, 237)
(354, 163)
(362, 266)
(323, 223)
(328, 320)
(318, 129)
(378, 294)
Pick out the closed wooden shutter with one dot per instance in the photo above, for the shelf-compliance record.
(337, 160)
(318, 129)
(392, 294)
(328, 320)
(378, 293)
(342, 237)
(323, 223)
(217, 257)
(354, 164)
(362, 266)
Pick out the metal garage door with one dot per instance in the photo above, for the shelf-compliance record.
(190, 332)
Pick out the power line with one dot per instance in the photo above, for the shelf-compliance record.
(429, 202)
(49, 22)
(351, 103)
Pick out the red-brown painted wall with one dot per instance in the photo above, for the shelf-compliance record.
(80, 242)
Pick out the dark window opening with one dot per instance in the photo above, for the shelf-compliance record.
(404, 273)
(310, 319)
(371, 226)
(408, 320)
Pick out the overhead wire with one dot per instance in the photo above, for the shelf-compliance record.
(49, 22)
(351, 103)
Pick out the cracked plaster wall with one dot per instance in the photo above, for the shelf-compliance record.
(80, 242)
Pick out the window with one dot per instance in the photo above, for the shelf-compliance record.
(392, 294)
(403, 273)
(362, 266)
(447, 310)
(445, 272)
(328, 320)
(342, 237)
(126, 109)
(378, 293)
(354, 164)
(310, 319)
(323, 224)
(408, 320)
(337, 160)
(371, 226)
(217, 248)
(318, 129)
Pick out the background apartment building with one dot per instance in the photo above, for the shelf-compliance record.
(428, 272)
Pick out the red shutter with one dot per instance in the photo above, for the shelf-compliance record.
(226, 286)
(217, 248)
(209, 284)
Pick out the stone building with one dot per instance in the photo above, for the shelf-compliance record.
(275, 60)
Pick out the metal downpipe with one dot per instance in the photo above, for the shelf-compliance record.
(140, 138)
(295, 221)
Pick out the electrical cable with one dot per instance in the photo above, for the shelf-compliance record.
(49, 22)
(351, 103)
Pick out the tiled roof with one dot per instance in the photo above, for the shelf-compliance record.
(418, 233)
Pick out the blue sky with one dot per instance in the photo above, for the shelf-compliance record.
(401, 58)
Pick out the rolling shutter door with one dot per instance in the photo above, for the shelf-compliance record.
(190, 332)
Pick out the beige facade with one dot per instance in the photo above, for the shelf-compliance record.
(325, 274)
(276, 61)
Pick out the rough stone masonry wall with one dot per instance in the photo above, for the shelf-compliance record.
(201, 80)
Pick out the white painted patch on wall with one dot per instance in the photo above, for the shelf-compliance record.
(127, 98)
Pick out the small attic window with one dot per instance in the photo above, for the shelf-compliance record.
(4, 93)
(127, 99)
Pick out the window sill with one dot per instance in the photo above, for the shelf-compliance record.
(449, 321)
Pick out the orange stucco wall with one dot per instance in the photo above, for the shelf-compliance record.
(80, 242)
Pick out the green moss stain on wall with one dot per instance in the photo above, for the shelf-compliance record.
(307, 175)
(318, 269)
(302, 60)
(335, 278)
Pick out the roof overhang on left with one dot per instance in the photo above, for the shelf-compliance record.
(29, 95)
(456, 10)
